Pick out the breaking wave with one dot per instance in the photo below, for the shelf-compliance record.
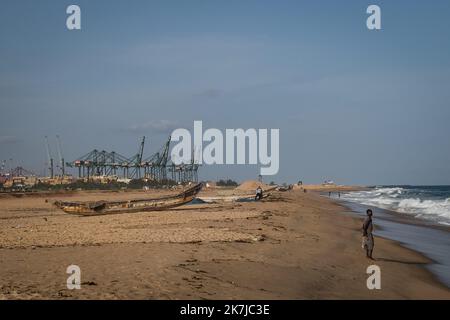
(431, 203)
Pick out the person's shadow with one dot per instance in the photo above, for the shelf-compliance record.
(400, 261)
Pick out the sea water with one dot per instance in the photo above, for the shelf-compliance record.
(431, 203)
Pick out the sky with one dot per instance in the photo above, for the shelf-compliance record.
(353, 105)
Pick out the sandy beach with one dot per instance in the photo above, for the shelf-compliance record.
(292, 245)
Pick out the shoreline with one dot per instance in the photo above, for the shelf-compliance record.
(408, 231)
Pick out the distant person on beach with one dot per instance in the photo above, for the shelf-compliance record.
(368, 242)
(259, 193)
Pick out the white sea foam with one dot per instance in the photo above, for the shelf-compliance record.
(400, 200)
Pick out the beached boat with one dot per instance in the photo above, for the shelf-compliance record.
(220, 199)
(125, 206)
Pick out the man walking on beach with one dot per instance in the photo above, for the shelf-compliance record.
(367, 229)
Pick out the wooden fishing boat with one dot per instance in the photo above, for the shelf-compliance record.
(220, 199)
(126, 206)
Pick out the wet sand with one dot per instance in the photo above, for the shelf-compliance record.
(430, 239)
(293, 245)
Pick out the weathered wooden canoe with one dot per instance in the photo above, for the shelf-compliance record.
(220, 199)
(136, 205)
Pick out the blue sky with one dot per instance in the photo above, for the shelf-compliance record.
(352, 105)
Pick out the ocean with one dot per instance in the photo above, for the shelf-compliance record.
(431, 203)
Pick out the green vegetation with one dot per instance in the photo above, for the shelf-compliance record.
(227, 183)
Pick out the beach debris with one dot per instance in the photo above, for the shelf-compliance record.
(285, 188)
(261, 237)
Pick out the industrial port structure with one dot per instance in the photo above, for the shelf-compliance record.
(157, 167)
(106, 166)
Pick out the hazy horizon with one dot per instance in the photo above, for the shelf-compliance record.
(352, 105)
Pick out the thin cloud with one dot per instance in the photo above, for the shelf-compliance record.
(209, 93)
(9, 140)
(155, 126)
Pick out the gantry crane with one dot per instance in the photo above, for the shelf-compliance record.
(103, 163)
(50, 158)
(60, 156)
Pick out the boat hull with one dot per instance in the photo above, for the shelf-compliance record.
(221, 199)
(138, 205)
